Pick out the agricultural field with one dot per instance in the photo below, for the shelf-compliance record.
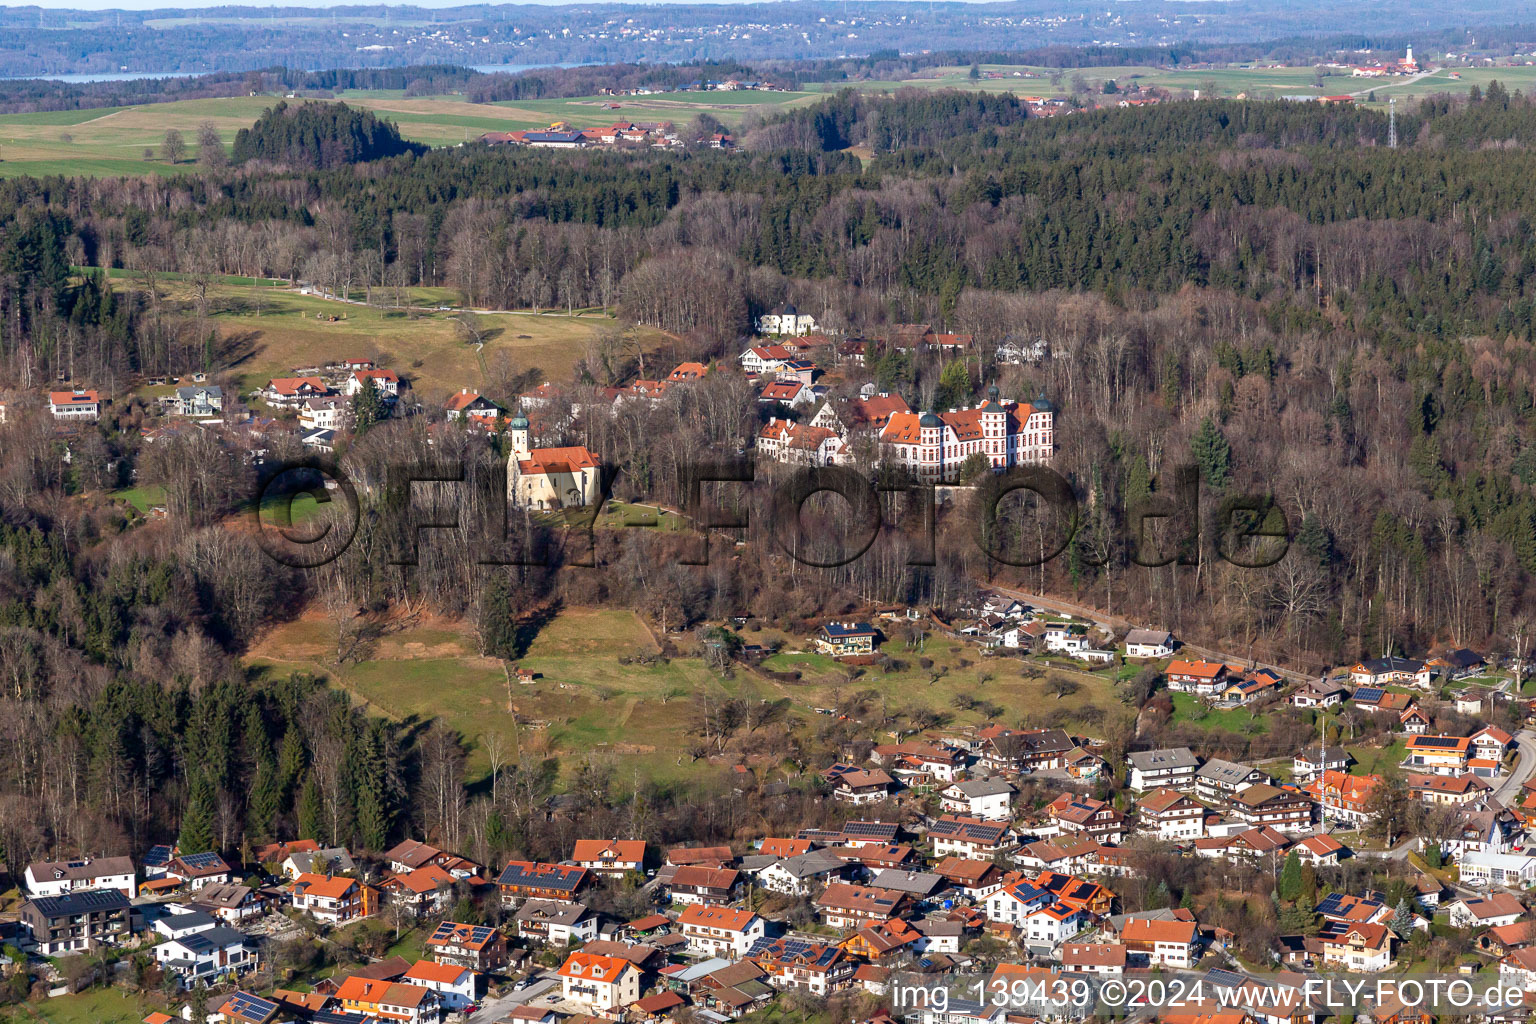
(266, 331)
(112, 140)
(586, 699)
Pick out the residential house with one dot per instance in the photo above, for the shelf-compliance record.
(1345, 798)
(1263, 805)
(1010, 751)
(472, 407)
(335, 900)
(331, 860)
(1458, 664)
(1491, 743)
(77, 406)
(1384, 671)
(803, 874)
(847, 639)
(974, 880)
(693, 883)
(1149, 643)
(522, 879)
(858, 786)
(842, 905)
(479, 947)
(720, 931)
(1414, 721)
(1359, 948)
(761, 359)
(786, 321)
(612, 857)
(208, 956)
(199, 869)
(1102, 959)
(423, 891)
(1171, 768)
(917, 762)
(1319, 850)
(291, 391)
(556, 922)
(1318, 694)
(231, 903)
(455, 985)
(1083, 815)
(1437, 755)
(986, 799)
(1219, 780)
(1204, 678)
(388, 1000)
(883, 943)
(967, 837)
(799, 444)
(240, 1008)
(1310, 763)
(1491, 911)
(1378, 699)
(1171, 816)
(58, 877)
(198, 400)
(605, 985)
(76, 921)
(813, 967)
(1456, 790)
(385, 382)
(1164, 943)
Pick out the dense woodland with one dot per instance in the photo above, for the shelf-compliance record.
(1264, 290)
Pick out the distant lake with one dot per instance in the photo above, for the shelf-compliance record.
(134, 76)
(116, 76)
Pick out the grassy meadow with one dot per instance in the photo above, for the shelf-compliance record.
(265, 331)
(586, 699)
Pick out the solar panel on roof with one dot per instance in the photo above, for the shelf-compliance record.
(1221, 977)
(202, 860)
(867, 828)
(1370, 693)
(1331, 904)
(1436, 741)
(249, 1006)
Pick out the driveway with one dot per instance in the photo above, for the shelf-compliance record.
(493, 1010)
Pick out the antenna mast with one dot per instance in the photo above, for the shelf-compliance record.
(1391, 122)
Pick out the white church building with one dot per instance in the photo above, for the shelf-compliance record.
(549, 478)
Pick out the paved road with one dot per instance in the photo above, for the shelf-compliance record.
(494, 1009)
(1509, 791)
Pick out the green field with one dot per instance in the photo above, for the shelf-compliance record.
(112, 140)
(97, 1006)
(1375, 760)
(586, 700)
(267, 332)
(1189, 708)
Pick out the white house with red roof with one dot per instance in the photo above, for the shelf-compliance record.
(604, 984)
(473, 407)
(387, 382)
(933, 445)
(720, 931)
(761, 359)
(549, 478)
(455, 986)
(799, 444)
(75, 406)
